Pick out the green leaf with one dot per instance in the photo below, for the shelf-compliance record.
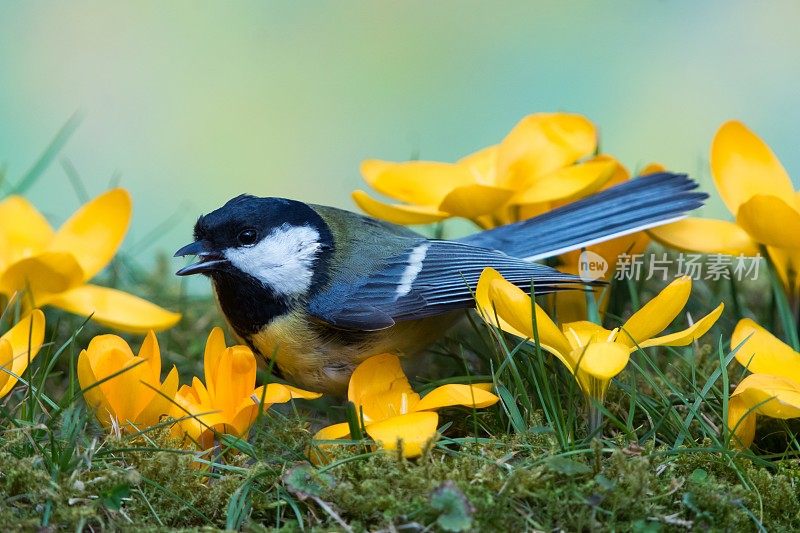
(304, 481)
(355, 421)
(49, 154)
(113, 498)
(783, 308)
(604, 483)
(239, 507)
(455, 510)
(510, 406)
(698, 476)
(238, 444)
(646, 526)
(566, 466)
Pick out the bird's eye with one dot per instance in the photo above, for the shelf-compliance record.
(248, 237)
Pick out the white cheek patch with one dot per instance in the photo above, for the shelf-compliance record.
(283, 260)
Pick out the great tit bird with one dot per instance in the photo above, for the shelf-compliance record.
(319, 289)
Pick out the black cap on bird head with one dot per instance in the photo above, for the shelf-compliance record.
(275, 241)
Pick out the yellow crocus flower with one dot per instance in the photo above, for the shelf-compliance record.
(135, 397)
(393, 414)
(536, 162)
(18, 346)
(759, 193)
(228, 401)
(773, 388)
(53, 267)
(592, 353)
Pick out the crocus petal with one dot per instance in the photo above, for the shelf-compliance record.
(124, 395)
(524, 212)
(116, 309)
(742, 421)
(652, 168)
(336, 431)
(302, 394)
(568, 183)
(197, 419)
(542, 143)
(456, 394)
(474, 200)
(763, 353)
(371, 169)
(23, 230)
(242, 419)
(150, 352)
(770, 220)
(657, 314)
(201, 392)
(602, 360)
(512, 310)
(482, 164)
(515, 307)
(772, 396)
(43, 275)
(380, 388)
(26, 334)
(416, 182)
(161, 403)
(6, 364)
(743, 166)
(570, 306)
(485, 306)
(280, 393)
(621, 173)
(215, 345)
(276, 393)
(235, 378)
(94, 233)
(397, 214)
(412, 432)
(787, 264)
(102, 343)
(20, 344)
(688, 335)
(705, 235)
(86, 378)
(317, 453)
(582, 332)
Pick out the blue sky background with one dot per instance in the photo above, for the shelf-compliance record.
(191, 103)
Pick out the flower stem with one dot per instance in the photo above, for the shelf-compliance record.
(595, 417)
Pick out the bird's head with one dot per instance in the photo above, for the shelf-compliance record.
(276, 242)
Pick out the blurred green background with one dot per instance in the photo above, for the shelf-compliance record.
(190, 103)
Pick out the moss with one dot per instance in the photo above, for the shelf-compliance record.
(629, 492)
(515, 483)
(32, 497)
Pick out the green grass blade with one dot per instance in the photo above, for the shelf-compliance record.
(49, 155)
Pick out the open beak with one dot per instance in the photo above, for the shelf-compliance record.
(207, 258)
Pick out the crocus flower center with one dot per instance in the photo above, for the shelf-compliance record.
(580, 339)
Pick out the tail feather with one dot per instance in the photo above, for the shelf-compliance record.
(632, 206)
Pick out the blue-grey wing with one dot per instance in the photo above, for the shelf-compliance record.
(429, 278)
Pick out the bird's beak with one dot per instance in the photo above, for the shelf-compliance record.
(207, 258)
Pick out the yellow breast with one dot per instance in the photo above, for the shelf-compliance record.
(321, 358)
